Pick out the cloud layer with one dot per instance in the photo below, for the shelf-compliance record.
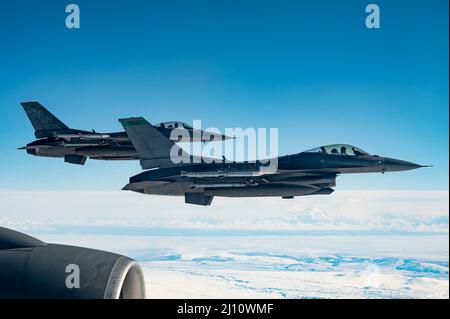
(350, 210)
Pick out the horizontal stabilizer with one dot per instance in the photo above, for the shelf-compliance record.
(198, 199)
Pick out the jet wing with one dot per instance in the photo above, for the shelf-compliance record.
(153, 147)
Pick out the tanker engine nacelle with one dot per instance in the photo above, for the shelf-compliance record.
(30, 268)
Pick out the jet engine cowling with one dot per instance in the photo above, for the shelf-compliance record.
(32, 269)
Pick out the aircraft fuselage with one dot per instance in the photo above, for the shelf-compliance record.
(296, 175)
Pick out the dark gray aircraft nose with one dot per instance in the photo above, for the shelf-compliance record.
(395, 165)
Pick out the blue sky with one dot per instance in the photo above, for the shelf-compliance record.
(310, 68)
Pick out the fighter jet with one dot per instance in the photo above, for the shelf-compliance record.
(311, 172)
(55, 139)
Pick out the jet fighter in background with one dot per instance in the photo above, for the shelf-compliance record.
(56, 139)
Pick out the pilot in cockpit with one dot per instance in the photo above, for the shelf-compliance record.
(357, 152)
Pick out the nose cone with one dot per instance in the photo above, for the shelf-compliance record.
(395, 165)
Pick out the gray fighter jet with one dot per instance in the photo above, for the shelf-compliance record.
(55, 139)
(312, 172)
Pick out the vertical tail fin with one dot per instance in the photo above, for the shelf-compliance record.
(152, 146)
(44, 122)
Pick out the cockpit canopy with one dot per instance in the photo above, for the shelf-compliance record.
(339, 149)
(173, 125)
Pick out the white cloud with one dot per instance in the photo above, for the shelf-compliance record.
(380, 208)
